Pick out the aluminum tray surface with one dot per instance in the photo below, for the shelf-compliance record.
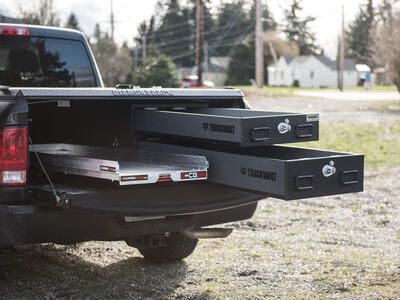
(128, 167)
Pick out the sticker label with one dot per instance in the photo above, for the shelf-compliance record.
(134, 178)
(63, 103)
(312, 118)
(108, 169)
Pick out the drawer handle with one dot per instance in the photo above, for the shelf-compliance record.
(304, 131)
(257, 134)
(304, 183)
(349, 177)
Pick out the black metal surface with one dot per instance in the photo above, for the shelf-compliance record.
(283, 172)
(163, 199)
(34, 224)
(239, 127)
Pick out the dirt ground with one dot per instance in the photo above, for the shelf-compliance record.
(341, 247)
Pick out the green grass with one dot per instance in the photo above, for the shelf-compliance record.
(380, 144)
(393, 106)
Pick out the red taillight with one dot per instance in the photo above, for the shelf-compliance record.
(14, 30)
(13, 156)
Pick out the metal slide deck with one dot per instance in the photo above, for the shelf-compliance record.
(128, 167)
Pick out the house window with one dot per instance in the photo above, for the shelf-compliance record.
(312, 74)
(282, 74)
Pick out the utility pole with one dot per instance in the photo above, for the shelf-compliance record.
(199, 40)
(341, 55)
(206, 58)
(259, 46)
(135, 62)
(112, 19)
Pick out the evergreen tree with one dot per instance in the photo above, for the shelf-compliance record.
(157, 71)
(174, 36)
(297, 29)
(233, 22)
(241, 67)
(358, 38)
(72, 22)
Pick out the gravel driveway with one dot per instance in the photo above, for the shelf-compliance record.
(343, 247)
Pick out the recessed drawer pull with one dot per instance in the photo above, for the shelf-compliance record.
(304, 131)
(260, 134)
(349, 177)
(304, 183)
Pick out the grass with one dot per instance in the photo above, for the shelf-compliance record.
(277, 92)
(380, 144)
(386, 106)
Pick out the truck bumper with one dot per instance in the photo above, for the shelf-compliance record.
(29, 224)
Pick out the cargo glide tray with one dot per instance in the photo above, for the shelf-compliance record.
(128, 167)
(238, 127)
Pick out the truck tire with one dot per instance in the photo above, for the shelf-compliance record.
(177, 247)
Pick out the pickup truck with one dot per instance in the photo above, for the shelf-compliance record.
(153, 167)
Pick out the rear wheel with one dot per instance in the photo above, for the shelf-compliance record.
(177, 247)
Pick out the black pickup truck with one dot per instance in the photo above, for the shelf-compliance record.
(153, 167)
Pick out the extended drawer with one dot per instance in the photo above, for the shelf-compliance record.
(239, 127)
(283, 172)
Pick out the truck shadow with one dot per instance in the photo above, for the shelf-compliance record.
(42, 272)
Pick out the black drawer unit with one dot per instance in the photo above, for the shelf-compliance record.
(283, 172)
(238, 127)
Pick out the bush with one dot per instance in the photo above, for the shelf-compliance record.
(157, 71)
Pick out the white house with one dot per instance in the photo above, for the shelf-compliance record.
(310, 72)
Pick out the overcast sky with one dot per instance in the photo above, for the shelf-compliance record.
(129, 13)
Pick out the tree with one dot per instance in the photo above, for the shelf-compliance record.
(242, 64)
(386, 44)
(297, 29)
(114, 62)
(358, 39)
(174, 35)
(43, 13)
(241, 67)
(157, 71)
(72, 22)
(233, 24)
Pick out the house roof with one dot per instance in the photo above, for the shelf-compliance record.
(349, 64)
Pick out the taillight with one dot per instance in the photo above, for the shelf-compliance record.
(13, 156)
(14, 30)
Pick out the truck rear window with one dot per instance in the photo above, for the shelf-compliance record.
(44, 62)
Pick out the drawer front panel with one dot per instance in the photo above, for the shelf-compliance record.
(295, 174)
(239, 127)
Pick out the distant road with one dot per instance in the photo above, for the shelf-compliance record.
(363, 95)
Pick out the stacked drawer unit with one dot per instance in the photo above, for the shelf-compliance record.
(240, 145)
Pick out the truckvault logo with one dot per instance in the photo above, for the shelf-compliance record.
(142, 93)
(230, 129)
(260, 174)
